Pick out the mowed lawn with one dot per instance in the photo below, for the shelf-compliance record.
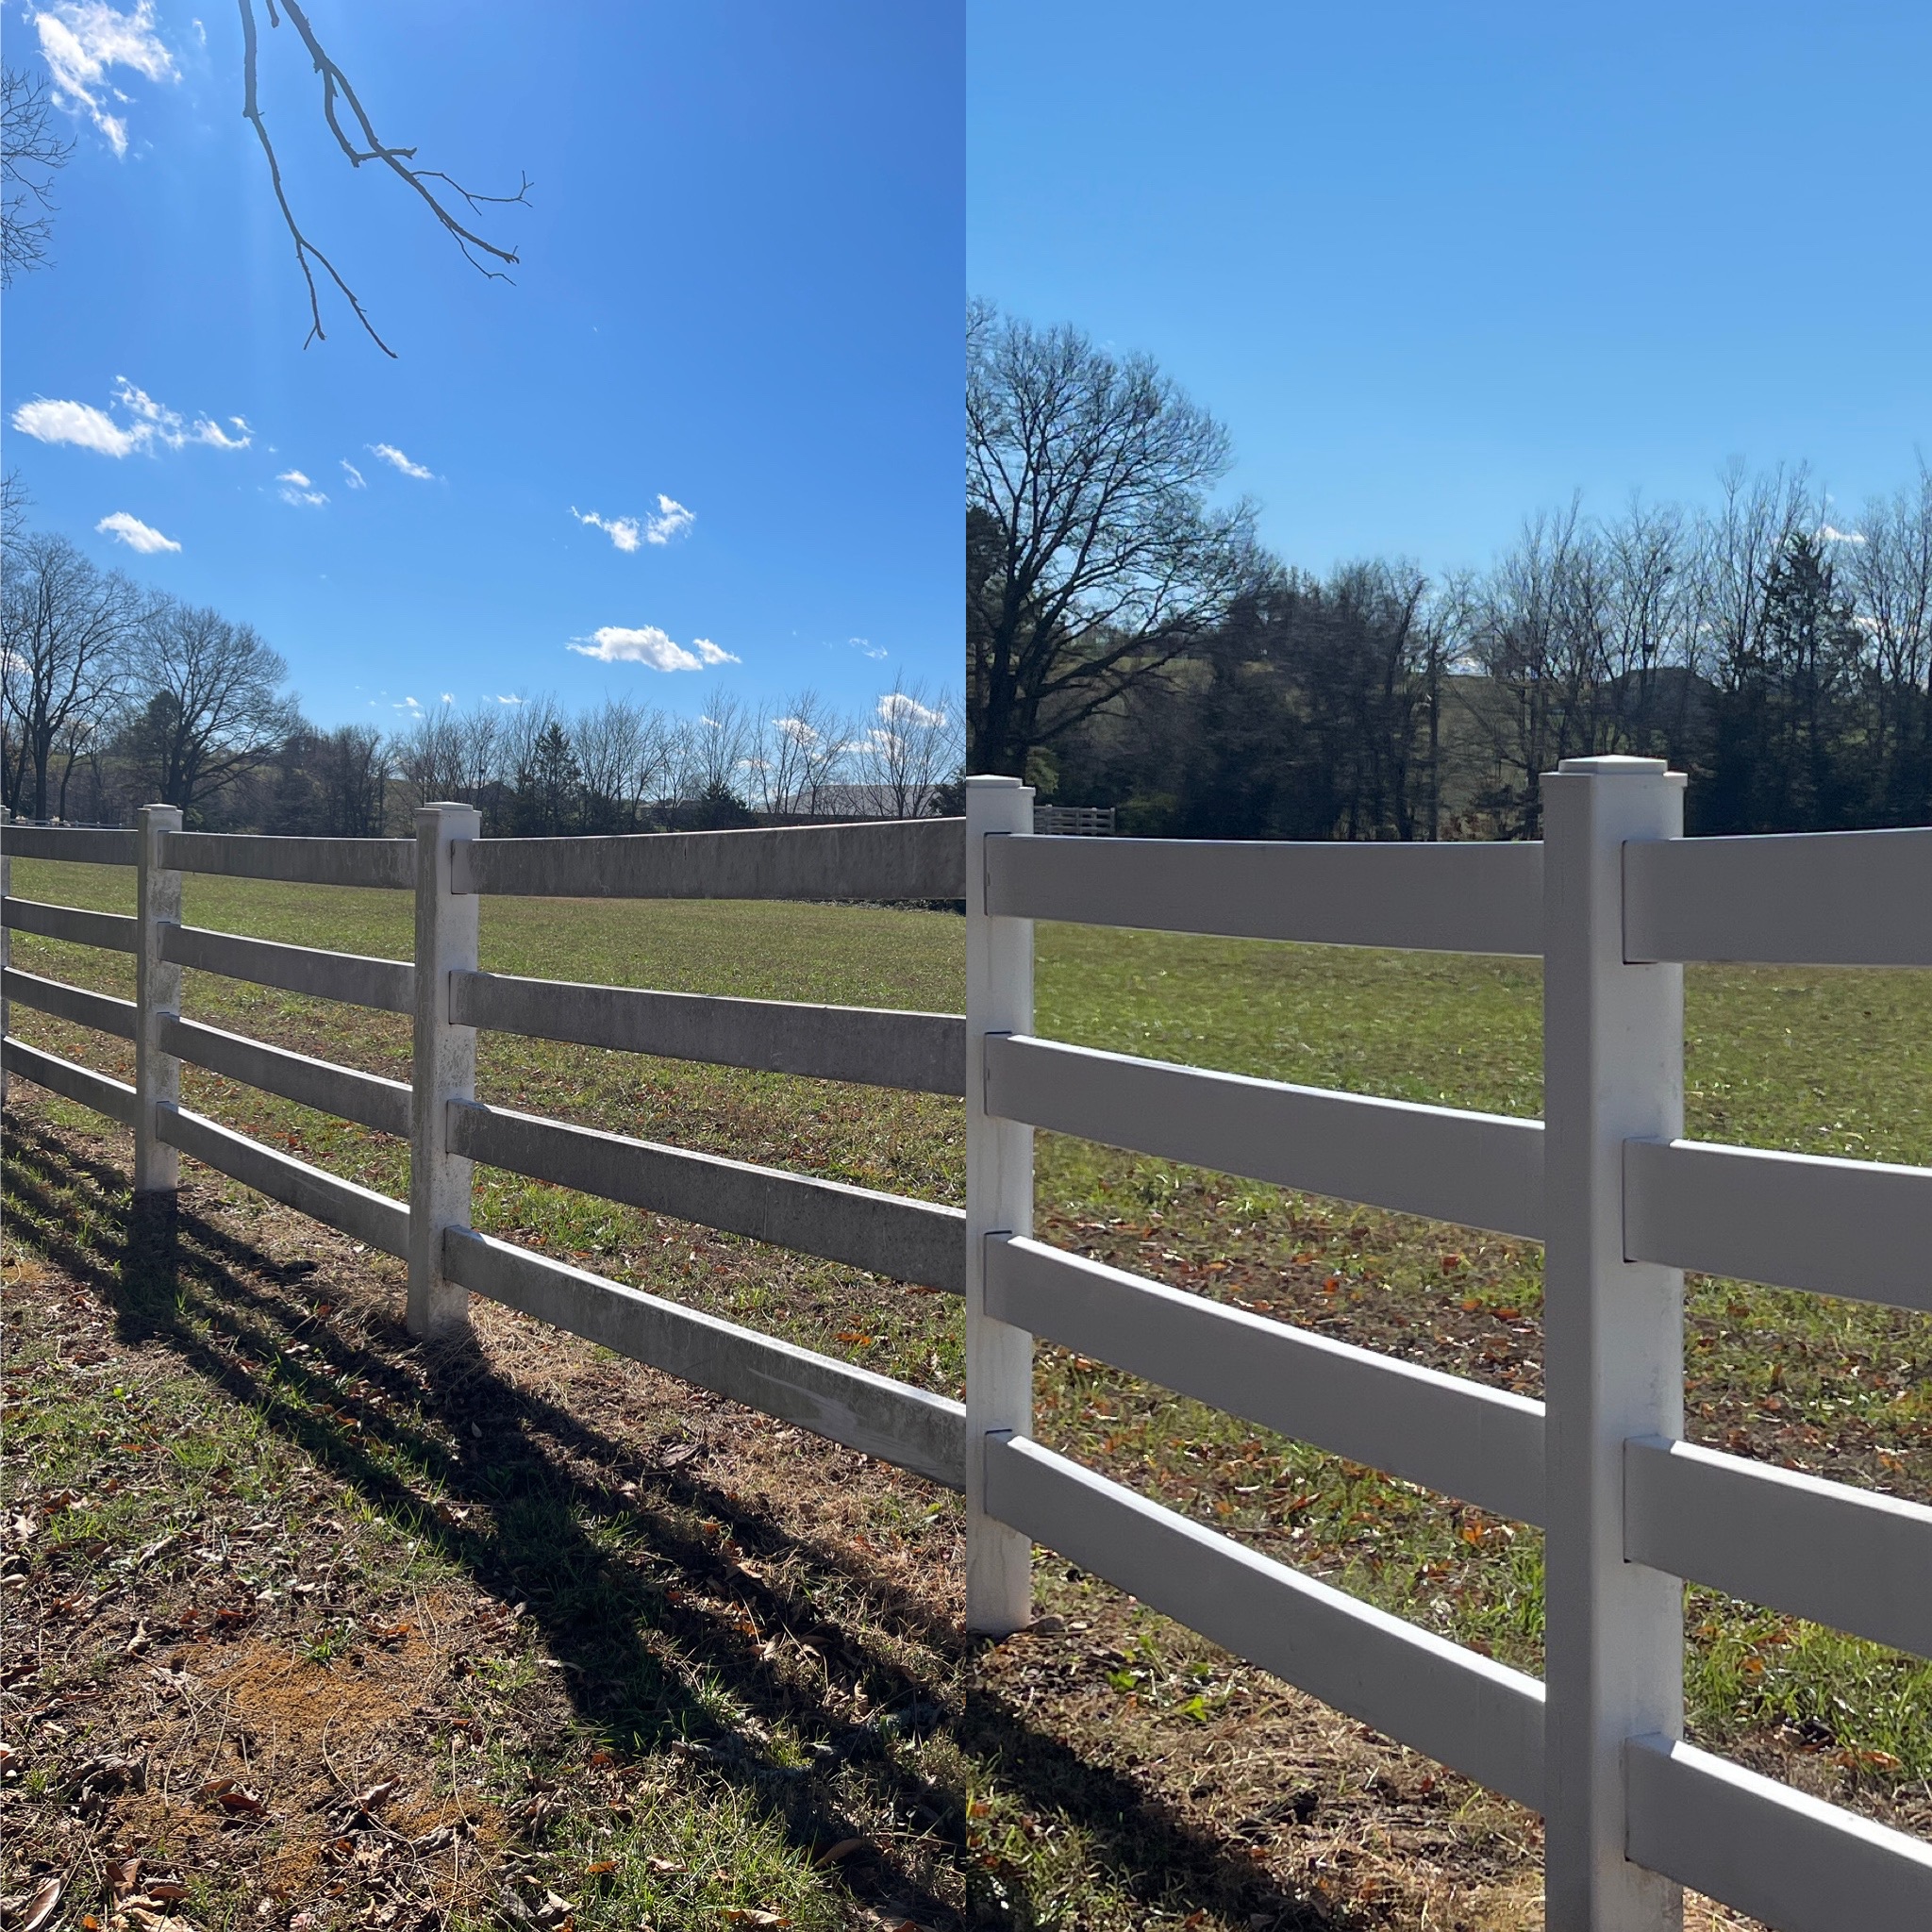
(1816, 1061)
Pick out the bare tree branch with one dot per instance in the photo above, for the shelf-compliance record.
(31, 154)
(336, 87)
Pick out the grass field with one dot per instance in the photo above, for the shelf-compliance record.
(1820, 1062)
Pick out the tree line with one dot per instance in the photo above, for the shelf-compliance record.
(1130, 642)
(112, 697)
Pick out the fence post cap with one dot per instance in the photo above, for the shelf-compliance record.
(1614, 765)
(991, 781)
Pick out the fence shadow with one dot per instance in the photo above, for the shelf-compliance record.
(225, 1309)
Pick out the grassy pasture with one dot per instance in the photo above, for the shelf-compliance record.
(1820, 1061)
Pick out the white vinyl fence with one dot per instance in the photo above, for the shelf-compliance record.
(1614, 902)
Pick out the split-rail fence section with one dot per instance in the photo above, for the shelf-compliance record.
(1614, 901)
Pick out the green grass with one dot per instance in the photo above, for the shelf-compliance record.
(1817, 1061)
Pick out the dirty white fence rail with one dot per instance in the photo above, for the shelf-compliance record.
(1614, 902)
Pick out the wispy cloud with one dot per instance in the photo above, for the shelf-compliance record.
(353, 475)
(391, 455)
(1831, 536)
(129, 530)
(651, 647)
(673, 520)
(151, 424)
(866, 648)
(80, 40)
(298, 491)
(630, 533)
(625, 532)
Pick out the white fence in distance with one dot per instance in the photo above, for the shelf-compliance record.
(1613, 901)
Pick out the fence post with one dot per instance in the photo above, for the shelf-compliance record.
(444, 1068)
(1613, 1339)
(999, 1200)
(156, 1000)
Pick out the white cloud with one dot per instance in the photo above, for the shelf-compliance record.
(866, 648)
(629, 533)
(137, 534)
(1831, 536)
(298, 492)
(80, 424)
(449, 697)
(650, 646)
(355, 477)
(396, 459)
(897, 708)
(625, 532)
(80, 40)
(53, 420)
(511, 699)
(673, 520)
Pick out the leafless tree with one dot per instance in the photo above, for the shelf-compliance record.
(64, 631)
(910, 749)
(212, 707)
(439, 191)
(31, 154)
(811, 742)
(607, 741)
(714, 749)
(1093, 555)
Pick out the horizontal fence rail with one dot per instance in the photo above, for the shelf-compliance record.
(60, 1001)
(1796, 899)
(878, 1047)
(1784, 1858)
(1448, 898)
(70, 844)
(114, 1098)
(388, 985)
(1481, 1445)
(113, 932)
(1852, 1559)
(894, 1421)
(908, 859)
(1477, 1716)
(390, 863)
(1613, 901)
(1473, 1168)
(919, 1241)
(358, 1211)
(345, 1092)
(1861, 1228)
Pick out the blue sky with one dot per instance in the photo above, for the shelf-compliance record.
(1438, 264)
(733, 338)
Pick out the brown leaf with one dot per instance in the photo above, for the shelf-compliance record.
(664, 1867)
(40, 1907)
(376, 1794)
(122, 1874)
(233, 1797)
(843, 1849)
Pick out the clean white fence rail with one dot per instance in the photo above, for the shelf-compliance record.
(1613, 903)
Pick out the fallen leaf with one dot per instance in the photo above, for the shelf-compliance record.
(233, 1797)
(122, 1874)
(41, 1907)
(602, 1866)
(664, 1868)
(843, 1849)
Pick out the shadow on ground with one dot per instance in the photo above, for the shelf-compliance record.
(455, 1435)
